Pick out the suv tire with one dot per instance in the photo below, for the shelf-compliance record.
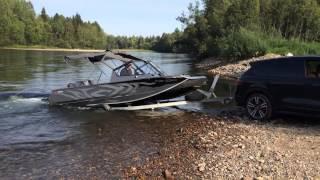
(258, 106)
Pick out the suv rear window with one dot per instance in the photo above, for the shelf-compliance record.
(312, 69)
(280, 68)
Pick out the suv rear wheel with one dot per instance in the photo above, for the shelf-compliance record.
(259, 107)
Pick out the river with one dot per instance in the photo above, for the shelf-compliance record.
(38, 141)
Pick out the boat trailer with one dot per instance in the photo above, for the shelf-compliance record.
(209, 97)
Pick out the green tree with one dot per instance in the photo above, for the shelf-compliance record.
(44, 15)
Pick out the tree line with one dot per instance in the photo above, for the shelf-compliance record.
(246, 28)
(239, 29)
(19, 25)
(167, 42)
(227, 28)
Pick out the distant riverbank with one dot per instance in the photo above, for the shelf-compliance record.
(47, 48)
(55, 49)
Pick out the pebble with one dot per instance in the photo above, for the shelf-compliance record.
(168, 175)
(259, 178)
(201, 167)
(134, 169)
(242, 137)
(246, 178)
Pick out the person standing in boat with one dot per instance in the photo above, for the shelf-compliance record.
(127, 70)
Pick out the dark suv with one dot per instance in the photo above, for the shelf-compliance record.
(283, 85)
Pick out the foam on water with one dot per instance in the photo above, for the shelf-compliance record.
(10, 85)
(17, 99)
(19, 104)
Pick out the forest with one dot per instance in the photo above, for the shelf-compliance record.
(246, 28)
(220, 28)
(20, 25)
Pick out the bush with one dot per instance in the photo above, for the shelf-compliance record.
(243, 44)
(63, 44)
(295, 46)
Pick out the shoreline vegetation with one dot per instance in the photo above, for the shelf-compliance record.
(52, 49)
(228, 29)
(20, 25)
(241, 29)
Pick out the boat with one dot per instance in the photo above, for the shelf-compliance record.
(124, 80)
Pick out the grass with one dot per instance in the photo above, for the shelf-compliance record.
(295, 46)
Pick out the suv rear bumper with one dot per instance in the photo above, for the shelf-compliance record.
(240, 94)
(239, 100)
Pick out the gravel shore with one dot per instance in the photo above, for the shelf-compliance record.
(231, 70)
(232, 147)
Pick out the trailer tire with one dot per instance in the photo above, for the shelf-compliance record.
(195, 96)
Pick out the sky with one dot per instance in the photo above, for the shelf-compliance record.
(122, 17)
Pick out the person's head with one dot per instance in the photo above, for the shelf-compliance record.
(129, 66)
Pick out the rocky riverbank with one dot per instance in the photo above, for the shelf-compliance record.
(231, 70)
(230, 146)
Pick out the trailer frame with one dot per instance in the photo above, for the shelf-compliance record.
(210, 97)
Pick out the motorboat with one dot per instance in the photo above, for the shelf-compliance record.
(124, 80)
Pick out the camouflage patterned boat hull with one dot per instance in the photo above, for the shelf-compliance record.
(128, 92)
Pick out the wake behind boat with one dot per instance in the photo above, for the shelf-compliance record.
(131, 81)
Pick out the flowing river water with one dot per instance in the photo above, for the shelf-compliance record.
(41, 142)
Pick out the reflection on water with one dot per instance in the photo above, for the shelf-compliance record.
(38, 141)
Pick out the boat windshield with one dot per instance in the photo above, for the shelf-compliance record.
(139, 68)
(116, 70)
(118, 66)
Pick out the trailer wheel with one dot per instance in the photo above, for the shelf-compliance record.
(195, 96)
(227, 101)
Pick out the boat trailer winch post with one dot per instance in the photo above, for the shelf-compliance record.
(210, 93)
(210, 96)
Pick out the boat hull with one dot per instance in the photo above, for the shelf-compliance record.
(129, 92)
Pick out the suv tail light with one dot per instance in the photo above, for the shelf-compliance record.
(237, 82)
